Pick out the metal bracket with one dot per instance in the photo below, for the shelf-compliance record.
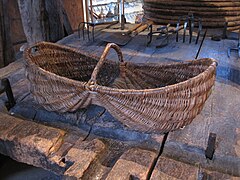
(189, 22)
(235, 49)
(209, 152)
(163, 30)
(224, 35)
(6, 87)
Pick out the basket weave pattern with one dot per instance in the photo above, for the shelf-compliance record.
(145, 97)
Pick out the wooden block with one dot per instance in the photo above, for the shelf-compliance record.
(134, 163)
(171, 169)
(81, 156)
(29, 142)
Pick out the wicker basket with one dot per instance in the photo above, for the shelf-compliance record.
(144, 97)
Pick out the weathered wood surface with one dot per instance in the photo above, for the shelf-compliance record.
(16, 28)
(1, 44)
(134, 162)
(72, 14)
(67, 153)
(6, 47)
(58, 23)
(43, 20)
(171, 169)
(50, 148)
(33, 15)
(219, 116)
(74, 10)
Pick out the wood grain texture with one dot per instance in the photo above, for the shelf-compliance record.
(16, 30)
(6, 47)
(43, 20)
(33, 17)
(74, 10)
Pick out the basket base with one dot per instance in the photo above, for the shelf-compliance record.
(95, 119)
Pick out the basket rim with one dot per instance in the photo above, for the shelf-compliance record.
(111, 90)
(168, 88)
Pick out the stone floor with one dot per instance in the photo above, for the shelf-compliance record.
(91, 144)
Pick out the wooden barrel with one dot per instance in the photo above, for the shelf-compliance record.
(214, 13)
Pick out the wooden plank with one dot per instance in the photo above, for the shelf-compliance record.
(28, 141)
(171, 169)
(54, 21)
(1, 39)
(220, 114)
(66, 24)
(16, 30)
(6, 48)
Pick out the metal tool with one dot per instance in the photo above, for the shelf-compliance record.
(189, 22)
(163, 30)
(6, 87)
(199, 29)
(235, 49)
(224, 35)
(211, 146)
(123, 20)
(200, 47)
(88, 24)
(120, 38)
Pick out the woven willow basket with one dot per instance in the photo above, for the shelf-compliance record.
(145, 97)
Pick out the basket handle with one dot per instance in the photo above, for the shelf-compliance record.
(93, 80)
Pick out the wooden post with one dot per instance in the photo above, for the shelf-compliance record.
(34, 22)
(43, 20)
(7, 54)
